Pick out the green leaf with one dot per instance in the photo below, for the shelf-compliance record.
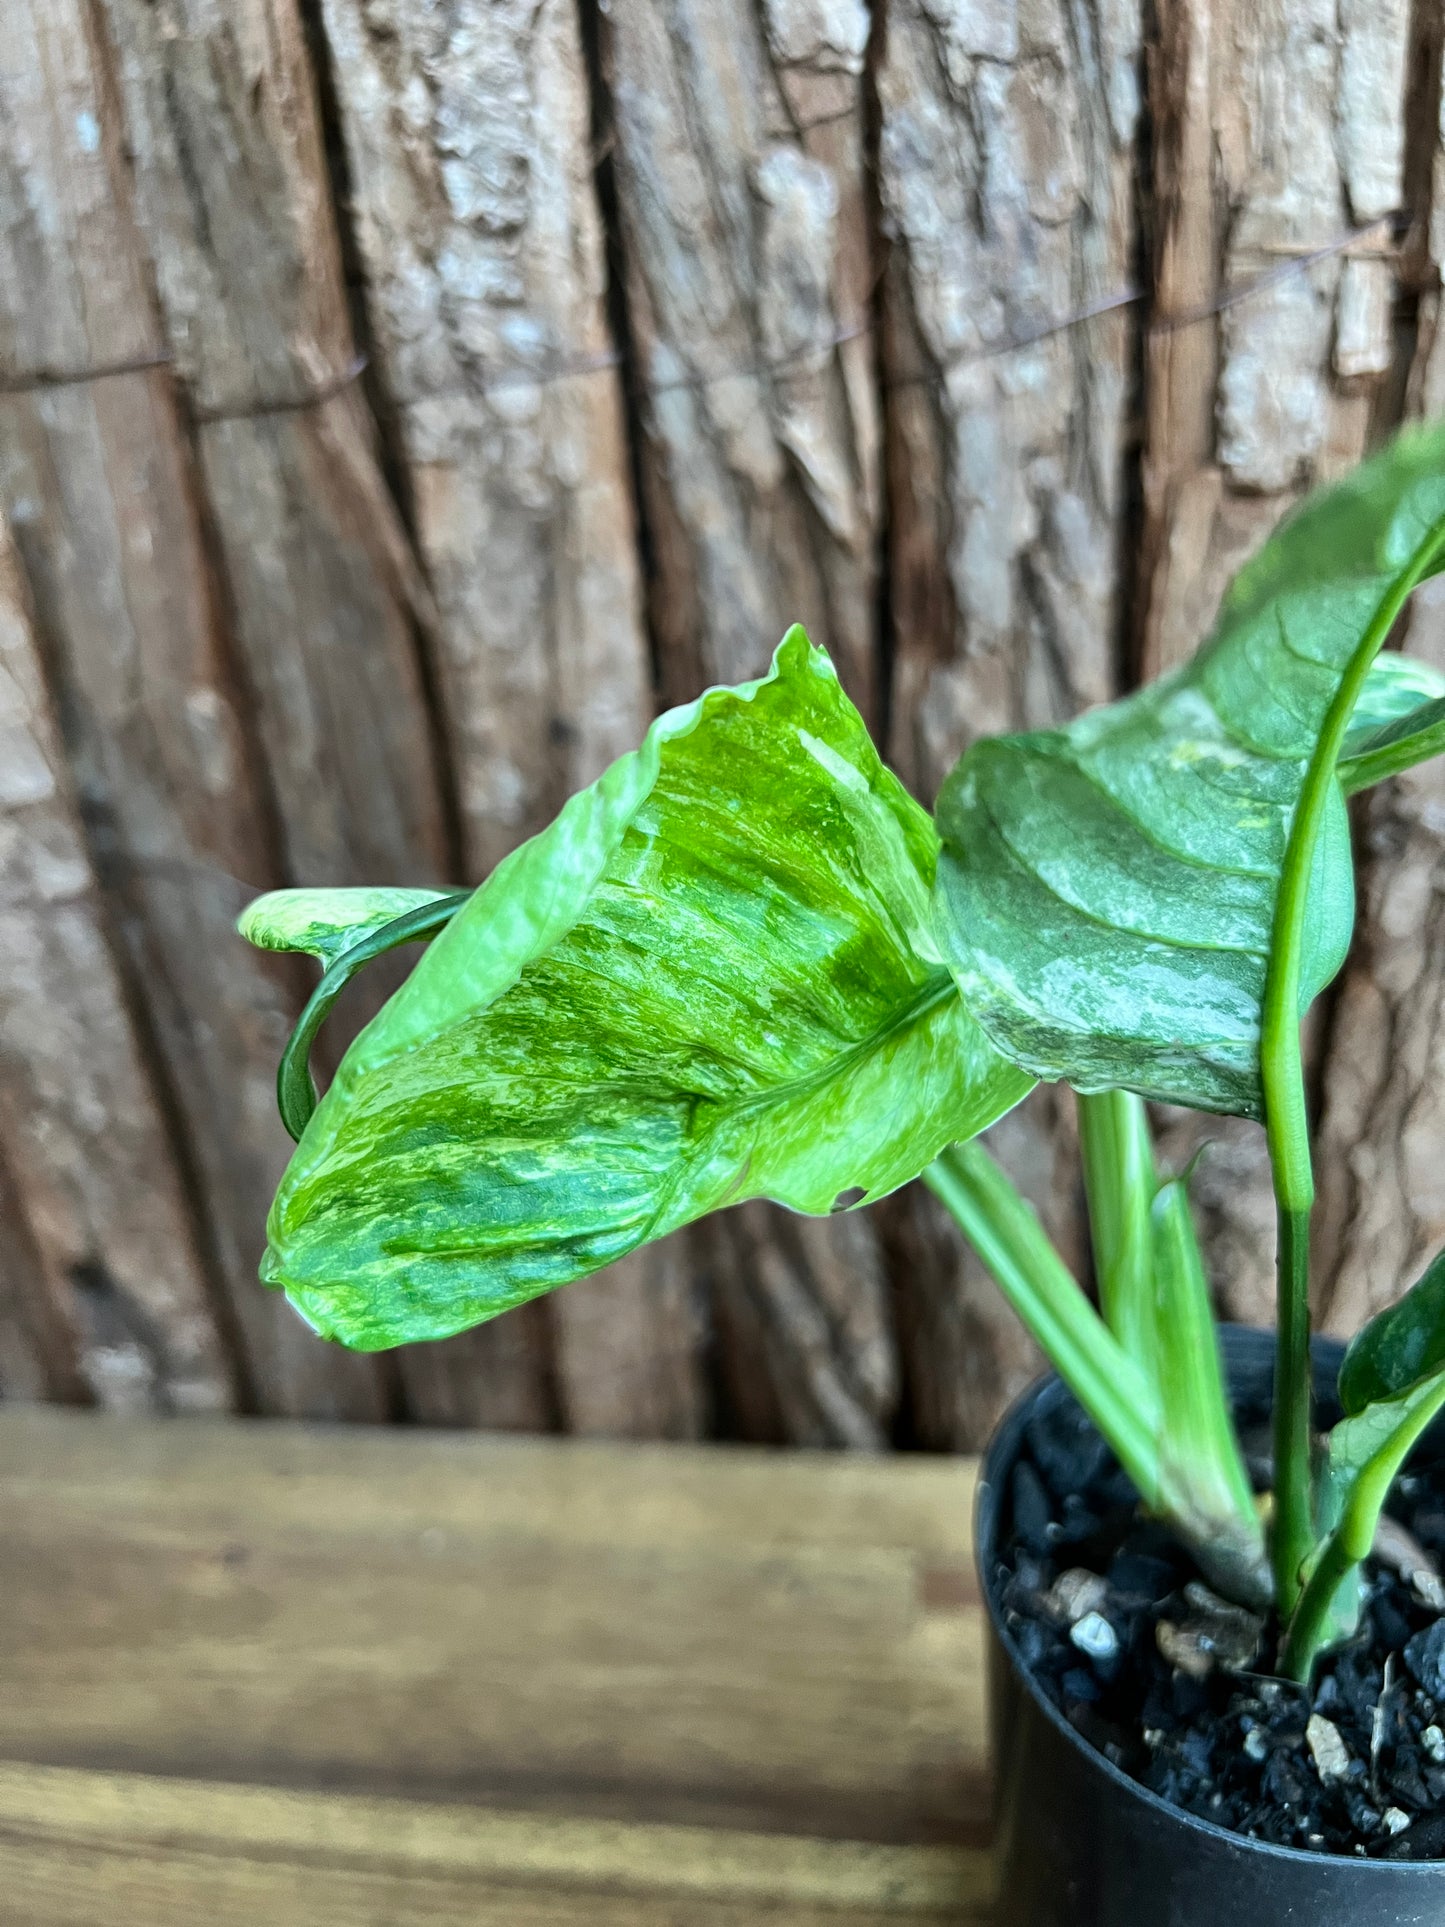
(712, 978)
(1374, 1428)
(1392, 1385)
(1107, 891)
(1366, 1454)
(1399, 1346)
(1395, 689)
(1187, 1472)
(1399, 721)
(326, 923)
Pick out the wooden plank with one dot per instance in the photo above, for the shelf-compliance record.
(98, 481)
(1006, 154)
(84, 1141)
(247, 1853)
(1277, 131)
(738, 136)
(264, 1672)
(468, 143)
(665, 1635)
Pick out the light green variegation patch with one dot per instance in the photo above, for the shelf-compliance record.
(325, 923)
(1107, 891)
(1397, 688)
(1399, 721)
(713, 978)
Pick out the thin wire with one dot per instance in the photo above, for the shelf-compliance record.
(42, 378)
(316, 397)
(1296, 264)
(489, 381)
(46, 379)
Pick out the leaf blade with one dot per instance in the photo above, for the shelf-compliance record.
(1398, 722)
(1399, 1346)
(712, 978)
(1106, 891)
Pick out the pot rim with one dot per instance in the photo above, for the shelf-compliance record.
(1004, 1446)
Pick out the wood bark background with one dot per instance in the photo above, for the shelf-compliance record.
(399, 403)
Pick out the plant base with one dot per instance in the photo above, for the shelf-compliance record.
(1080, 1841)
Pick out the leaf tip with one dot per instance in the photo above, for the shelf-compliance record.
(253, 923)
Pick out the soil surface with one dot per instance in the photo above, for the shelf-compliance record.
(1172, 1684)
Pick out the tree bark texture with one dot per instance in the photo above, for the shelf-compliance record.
(100, 480)
(1278, 133)
(737, 135)
(468, 145)
(116, 1297)
(985, 338)
(1381, 1176)
(1007, 150)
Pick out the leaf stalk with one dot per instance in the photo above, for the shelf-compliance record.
(1005, 1232)
(1282, 1074)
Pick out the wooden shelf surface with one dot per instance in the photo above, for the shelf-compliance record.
(361, 1677)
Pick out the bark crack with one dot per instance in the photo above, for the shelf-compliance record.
(621, 334)
(384, 414)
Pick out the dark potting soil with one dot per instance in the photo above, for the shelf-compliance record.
(1095, 1597)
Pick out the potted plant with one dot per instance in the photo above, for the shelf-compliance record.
(746, 963)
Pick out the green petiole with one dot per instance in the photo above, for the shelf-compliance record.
(295, 1087)
(1286, 1122)
(1004, 1230)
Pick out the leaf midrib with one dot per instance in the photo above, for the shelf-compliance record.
(933, 992)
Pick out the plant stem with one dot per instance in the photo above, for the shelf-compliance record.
(1004, 1231)
(1286, 1120)
(295, 1088)
(1155, 1300)
(1293, 1490)
(1301, 1647)
(1212, 1515)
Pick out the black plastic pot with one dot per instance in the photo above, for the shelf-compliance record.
(1080, 1844)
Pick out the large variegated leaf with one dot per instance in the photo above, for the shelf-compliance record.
(1106, 893)
(712, 978)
